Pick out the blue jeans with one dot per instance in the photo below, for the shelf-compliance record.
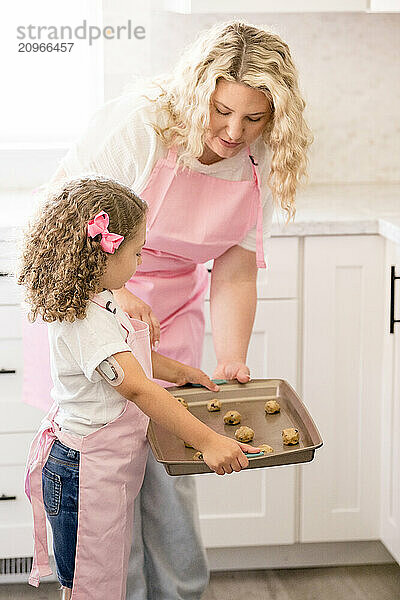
(60, 480)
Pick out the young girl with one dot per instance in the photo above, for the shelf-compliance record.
(86, 463)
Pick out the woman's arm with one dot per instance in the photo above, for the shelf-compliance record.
(137, 309)
(233, 300)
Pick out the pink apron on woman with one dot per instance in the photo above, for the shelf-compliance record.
(192, 219)
(111, 471)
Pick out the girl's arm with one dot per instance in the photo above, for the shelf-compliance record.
(233, 300)
(171, 370)
(222, 454)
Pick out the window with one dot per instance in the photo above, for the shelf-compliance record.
(49, 94)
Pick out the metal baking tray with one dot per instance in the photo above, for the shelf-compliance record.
(248, 399)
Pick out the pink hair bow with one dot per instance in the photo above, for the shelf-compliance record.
(99, 224)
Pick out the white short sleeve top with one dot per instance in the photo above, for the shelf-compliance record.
(86, 401)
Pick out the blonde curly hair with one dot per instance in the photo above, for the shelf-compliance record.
(60, 265)
(242, 53)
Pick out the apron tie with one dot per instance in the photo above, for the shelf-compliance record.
(260, 261)
(40, 449)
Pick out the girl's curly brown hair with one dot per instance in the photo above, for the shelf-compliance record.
(60, 265)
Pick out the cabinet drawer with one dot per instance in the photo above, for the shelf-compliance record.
(11, 365)
(15, 510)
(10, 248)
(18, 417)
(279, 280)
(10, 291)
(14, 449)
(15, 514)
(10, 323)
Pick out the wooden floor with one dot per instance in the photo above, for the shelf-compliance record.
(371, 582)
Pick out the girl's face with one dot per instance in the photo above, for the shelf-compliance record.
(122, 265)
(238, 116)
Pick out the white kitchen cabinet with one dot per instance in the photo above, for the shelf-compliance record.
(240, 509)
(15, 510)
(280, 278)
(390, 504)
(342, 351)
(16, 416)
(18, 421)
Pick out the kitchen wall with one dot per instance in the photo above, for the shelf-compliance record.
(349, 67)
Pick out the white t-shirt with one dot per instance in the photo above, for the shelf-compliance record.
(86, 400)
(121, 144)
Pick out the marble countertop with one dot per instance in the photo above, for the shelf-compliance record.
(345, 209)
(322, 209)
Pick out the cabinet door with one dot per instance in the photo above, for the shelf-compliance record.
(15, 510)
(15, 415)
(390, 504)
(343, 324)
(241, 509)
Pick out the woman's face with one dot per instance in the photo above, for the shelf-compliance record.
(238, 115)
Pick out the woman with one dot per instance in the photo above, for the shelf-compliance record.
(210, 148)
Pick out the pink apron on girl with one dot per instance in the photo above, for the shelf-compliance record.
(192, 219)
(111, 471)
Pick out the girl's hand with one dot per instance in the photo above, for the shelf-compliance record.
(224, 455)
(137, 309)
(191, 375)
(232, 370)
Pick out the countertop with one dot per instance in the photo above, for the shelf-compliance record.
(322, 209)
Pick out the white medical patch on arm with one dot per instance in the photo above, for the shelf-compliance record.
(111, 371)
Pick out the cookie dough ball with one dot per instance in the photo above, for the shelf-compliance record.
(183, 402)
(232, 417)
(198, 456)
(265, 448)
(272, 406)
(187, 445)
(290, 436)
(244, 434)
(213, 405)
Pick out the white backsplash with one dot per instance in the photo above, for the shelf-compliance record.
(349, 73)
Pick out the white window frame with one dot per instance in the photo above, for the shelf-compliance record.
(25, 165)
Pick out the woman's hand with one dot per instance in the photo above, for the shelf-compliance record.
(232, 370)
(188, 374)
(224, 455)
(137, 309)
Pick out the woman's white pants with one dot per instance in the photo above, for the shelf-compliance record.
(168, 560)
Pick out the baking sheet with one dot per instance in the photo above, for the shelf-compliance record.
(249, 399)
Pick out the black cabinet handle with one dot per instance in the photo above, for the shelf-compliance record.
(393, 278)
(4, 274)
(6, 371)
(4, 497)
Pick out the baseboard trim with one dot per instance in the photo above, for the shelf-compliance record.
(294, 556)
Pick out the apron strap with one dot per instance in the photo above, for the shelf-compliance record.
(171, 157)
(260, 260)
(38, 453)
(170, 161)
